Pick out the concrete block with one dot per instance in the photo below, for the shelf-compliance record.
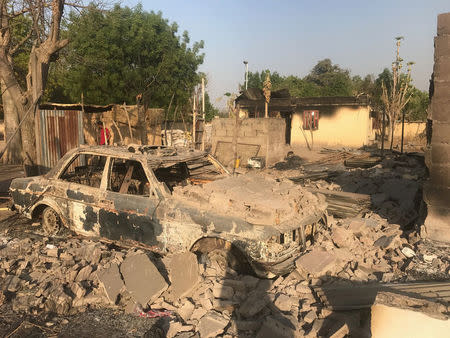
(183, 274)
(437, 224)
(443, 24)
(441, 46)
(317, 262)
(440, 110)
(436, 195)
(440, 175)
(441, 68)
(111, 281)
(276, 327)
(255, 302)
(212, 324)
(440, 153)
(142, 278)
(390, 321)
(441, 90)
(441, 132)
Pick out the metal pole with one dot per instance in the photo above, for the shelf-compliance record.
(246, 74)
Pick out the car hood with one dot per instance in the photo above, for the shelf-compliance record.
(256, 198)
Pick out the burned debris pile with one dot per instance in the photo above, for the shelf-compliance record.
(207, 299)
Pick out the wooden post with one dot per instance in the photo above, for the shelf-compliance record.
(194, 118)
(382, 134)
(203, 113)
(129, 123)
(403, 129)
(165, 120)
(235, 138)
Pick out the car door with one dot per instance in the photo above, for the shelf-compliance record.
(80, 186)
(127, 211)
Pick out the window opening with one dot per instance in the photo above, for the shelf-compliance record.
(128, 177)
(310, 119)
(86, 169)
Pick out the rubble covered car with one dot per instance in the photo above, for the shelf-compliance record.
(174, 200)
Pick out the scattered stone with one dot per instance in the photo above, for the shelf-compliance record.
(255, 302)
(408, 252)
(310, 317)
(317, 262)
(276, 327)
(186, 310)
(212, 324)
(183, 273)
(284, 303)
(111, 281)
(223, 292)
(341, 332)
(84, 274)
(142, 278)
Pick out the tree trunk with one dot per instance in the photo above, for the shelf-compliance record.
(392, 128)
(13, 154)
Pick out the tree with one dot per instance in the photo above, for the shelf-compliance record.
(396, 94)
(332, 80)
(416, 108)
(20, 98)
(210, 110)
(115, 55)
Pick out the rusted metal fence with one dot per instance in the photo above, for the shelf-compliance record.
(57, 131)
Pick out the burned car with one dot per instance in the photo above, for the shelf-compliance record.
(173, 200)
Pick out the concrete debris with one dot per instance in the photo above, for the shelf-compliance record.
(212, 324)
(142, 278)
(317, 262)
(183, 273)
(111, 281)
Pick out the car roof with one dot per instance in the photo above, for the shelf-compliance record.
(156, 156)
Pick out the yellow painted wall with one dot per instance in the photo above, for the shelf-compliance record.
(412, 130)
(347, 126)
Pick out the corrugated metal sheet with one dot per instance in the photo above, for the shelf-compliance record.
(58, 131)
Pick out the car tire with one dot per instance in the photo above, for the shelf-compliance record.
(51, 222)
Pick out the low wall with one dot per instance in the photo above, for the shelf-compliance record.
(414, 132)
(262, 137)
(339, 127)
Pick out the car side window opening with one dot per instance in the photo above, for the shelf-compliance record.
(128, 177)
(172, 176)
(197, 171)
(86, 169)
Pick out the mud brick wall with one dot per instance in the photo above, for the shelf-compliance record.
(437, 189)
(266, 136)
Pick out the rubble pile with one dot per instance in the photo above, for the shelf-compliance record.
(206, 300)
(256, 197)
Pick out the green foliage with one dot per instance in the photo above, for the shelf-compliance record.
(325, 79)
(416, 108)
(117, 54)
(331, 79)
(210, 110)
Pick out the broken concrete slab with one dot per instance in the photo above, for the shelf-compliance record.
(111, 281)
(284, 302)
(186, 310)
(212, 324)
(184, 275)
(255, 302)
(316, 262)
(142, 278)
(276, 327)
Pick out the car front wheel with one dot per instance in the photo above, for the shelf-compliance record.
(51, 223)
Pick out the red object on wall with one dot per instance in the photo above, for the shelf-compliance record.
(311, 119)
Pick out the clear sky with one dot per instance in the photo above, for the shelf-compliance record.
(291, 36)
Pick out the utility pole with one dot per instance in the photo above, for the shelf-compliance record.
(246, 74)
(203, 113)
(194, 117)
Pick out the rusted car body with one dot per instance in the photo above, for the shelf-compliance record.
(147, 195)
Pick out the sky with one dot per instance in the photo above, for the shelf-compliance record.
(291, 36)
